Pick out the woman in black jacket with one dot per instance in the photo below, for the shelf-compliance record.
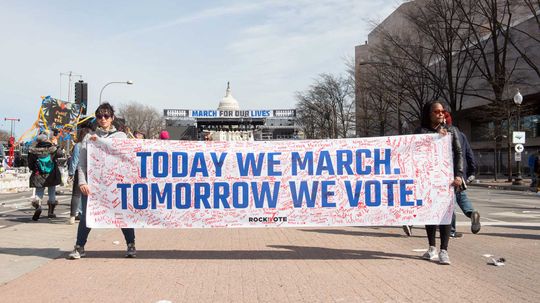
(42, 161)
(433, 122)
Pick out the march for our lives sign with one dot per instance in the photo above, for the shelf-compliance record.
(394, 180)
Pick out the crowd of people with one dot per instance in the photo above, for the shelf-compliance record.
(43, 163)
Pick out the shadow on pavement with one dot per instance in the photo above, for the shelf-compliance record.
(516, 208)
(516, 236)
(286, 253)
(517, 227)
(51, 253)
(401, 234)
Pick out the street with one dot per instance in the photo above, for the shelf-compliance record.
(497, 207)
(340, 264)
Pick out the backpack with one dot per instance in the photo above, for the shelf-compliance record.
(45, 164)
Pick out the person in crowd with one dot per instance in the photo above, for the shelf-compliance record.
(164, 135)
(536, 169)
(43, 165)
(105, 117)
(533, 157)
(76, 209)
(432, 121)
(469, 169)
(139, 135)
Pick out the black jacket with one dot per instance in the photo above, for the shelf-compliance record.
(38, 179)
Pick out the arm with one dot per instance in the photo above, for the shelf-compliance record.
(469, 157)
(457, 154)
(74, 159)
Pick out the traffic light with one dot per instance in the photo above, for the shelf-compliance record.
(81, 94)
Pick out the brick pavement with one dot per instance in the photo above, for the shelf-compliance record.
(352, 264)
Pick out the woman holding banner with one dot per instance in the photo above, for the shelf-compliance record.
(433, 122)
(105, 117)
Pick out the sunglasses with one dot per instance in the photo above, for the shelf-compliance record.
(439, 111)
(106, 116)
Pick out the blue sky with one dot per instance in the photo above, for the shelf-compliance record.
(179, 54)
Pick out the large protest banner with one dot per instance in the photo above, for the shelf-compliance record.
(346, 182)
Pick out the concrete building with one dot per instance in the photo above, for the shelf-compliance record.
(491, 149)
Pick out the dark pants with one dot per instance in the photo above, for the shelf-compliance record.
(444, 230)
(75, 196)
(83, 231)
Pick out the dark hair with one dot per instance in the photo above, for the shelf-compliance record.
(105, 108)
(81, 133)
(425, 121)
(135, 133)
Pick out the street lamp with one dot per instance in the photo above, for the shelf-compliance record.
(518, 98)
(129, 82)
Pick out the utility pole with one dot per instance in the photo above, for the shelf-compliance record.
(69, 74)
(11, 140)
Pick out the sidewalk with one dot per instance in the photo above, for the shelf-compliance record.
(502, 183)
(352, 264)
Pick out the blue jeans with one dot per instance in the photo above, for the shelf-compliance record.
(465, 205)
(83, 231)
(51, 191)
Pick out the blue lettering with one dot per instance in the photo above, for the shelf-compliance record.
(179, 202)
(326, 194)
(325, 163)
(140, 202)
(344, 161)
(221, 193)
(161, 196)
(264, 194)
(123, 193)
(298, 197)
(218, 162)
(272, 163)
(244, 187)
(184, 164)
(298, 162)
(378, 162)
(244, 167)
(202, 193)
(360, 161)
(199, 165)
(353, 196)
(373, 187)
(144, 158)
(164, 161)
(404, 192)
(390, 190)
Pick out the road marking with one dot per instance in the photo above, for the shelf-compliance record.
(8, 211)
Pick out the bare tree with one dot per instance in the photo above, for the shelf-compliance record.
(518, 35)
(142, 118)
(326, 109)
(4, 135)
(441, 24)
(489, 38)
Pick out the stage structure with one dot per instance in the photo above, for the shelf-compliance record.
(230, 123)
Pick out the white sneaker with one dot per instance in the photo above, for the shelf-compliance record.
(444, 258)
(430, 254)
(72, 220)
(77, 253)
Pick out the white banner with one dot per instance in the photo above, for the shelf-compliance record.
(347, 182)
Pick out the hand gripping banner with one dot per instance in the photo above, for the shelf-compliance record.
(388, 181)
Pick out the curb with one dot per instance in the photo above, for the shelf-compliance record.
(503, 187)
